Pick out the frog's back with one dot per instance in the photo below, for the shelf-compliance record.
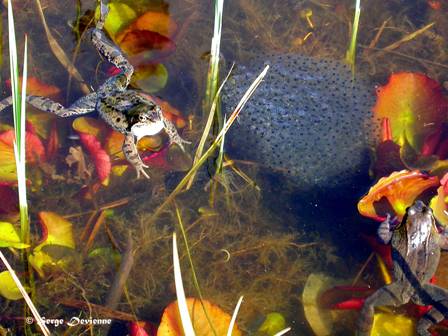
(309, 118)
(415, 265)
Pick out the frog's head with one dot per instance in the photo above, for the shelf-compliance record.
(419, 221)
(147, 121)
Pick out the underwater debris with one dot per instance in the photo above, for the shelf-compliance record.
(312, 120)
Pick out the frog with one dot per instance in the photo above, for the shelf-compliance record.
(416, 244)
(128, 111)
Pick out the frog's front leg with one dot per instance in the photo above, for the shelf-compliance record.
(388, 295)
(131, 153)
(437, 297)
(172, 133)
(83, 105)
(384, 230)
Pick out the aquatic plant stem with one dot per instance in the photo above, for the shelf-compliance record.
(214, 145)
(207, 127)
(234, 315)
(213, 71)
(350, 56)
(193, 272)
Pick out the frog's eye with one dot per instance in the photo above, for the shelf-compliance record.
(412, 211)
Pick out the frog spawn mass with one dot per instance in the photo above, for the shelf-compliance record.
(309, 118)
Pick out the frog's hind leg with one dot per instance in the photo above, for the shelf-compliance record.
(108, 49)
(83, 105)
(388, 295)
(131, 153)
(437, 297)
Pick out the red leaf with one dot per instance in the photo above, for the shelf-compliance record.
(137, 41)
(35, 150)
(99, 156)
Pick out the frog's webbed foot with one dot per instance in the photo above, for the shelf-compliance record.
(174, 136)
(131, 153)
(83, 105)
(385, 230)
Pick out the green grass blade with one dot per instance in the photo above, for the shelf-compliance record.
(350, 57)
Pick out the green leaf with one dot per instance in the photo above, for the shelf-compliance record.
(9, 289)
(9, 236)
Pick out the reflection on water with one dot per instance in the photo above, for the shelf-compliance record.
(282, 213)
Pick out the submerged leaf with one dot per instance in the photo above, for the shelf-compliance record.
(415, 106)
(90, 126)
(9, 289)
(56, 231)
(171, 323)
(138, 41)
(157, 22)
(386, 324)
(150, 78)
(119, 16)
(9, 236)
(399, 189)
(98, 155)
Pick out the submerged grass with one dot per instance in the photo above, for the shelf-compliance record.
(351, 52)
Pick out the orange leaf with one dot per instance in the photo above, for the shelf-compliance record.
(137, 41)
(34, 87)
(157, 22)
(400, 189)
(170, 112)
(35, 151)
(56, 230)
(414, 104)
(171, 324)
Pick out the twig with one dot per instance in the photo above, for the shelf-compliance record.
(408, 37)
(95, 230)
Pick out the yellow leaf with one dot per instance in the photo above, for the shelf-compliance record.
(385, 324)
(9, 236)
(8, 288)
(57, 231)
(119, 16)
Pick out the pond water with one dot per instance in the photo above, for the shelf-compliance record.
(275, 216)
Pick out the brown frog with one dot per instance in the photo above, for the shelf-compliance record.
(416, 244)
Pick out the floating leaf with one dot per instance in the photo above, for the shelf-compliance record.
(399, 189)
(9, 289)
(56, 231)
(150, 78)
(415, 106)
(9, 236)
(386, 324)
(171, 324)
(120, 15)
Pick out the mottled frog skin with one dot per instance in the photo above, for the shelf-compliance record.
(416, 244)
(130, 112)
